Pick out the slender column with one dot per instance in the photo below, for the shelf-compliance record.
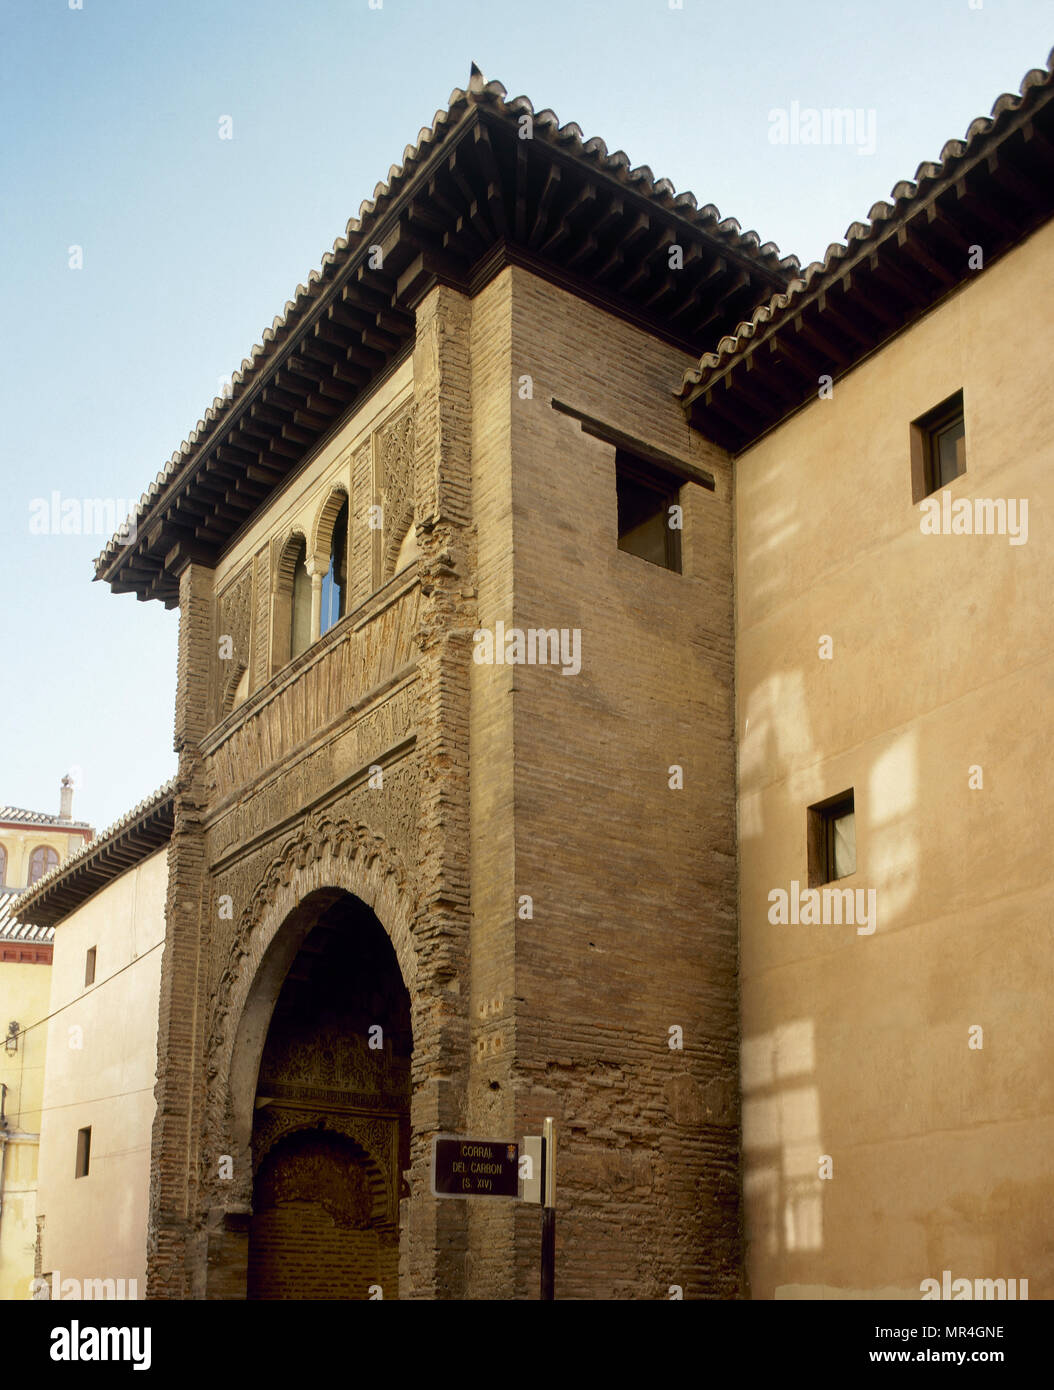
(316, 569)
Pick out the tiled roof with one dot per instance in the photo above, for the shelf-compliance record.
(546, 126)
(7, 898)
(904, 195)
(95, 863)
(13, 930)
(16, 815)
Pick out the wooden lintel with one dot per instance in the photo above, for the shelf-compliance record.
(845, 323)
(910, 242)
(812, 333)
(691, 472)
(545, 203)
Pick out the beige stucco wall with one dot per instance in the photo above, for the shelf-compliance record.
(856, 1046)
(103, 1076)
(24, 994)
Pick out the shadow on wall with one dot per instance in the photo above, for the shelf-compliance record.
(782, 1145)
(820, 992)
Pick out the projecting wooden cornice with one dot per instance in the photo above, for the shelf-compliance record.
(472, 196)
(145, 829)
(985, 195)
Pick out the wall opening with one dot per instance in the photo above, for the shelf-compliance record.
(331, 1125)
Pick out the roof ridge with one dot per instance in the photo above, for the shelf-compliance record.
(40, 817)
(481, 93)
(92, 846)
(903, 193)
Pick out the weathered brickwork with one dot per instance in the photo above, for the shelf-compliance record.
(173, 1168)
(313, 1234)
(441, 929)
(491, 1099)
(495, 782)
(633, 882)
(300, 1252)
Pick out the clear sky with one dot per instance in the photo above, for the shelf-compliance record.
(110, 118)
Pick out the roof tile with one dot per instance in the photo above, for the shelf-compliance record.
(902, 193)
(494, 95)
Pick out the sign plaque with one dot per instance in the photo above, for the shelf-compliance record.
(464, 1167)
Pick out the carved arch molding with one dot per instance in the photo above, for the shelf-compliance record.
(326, 853)
(377, 1136)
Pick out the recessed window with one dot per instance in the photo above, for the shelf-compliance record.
(3, 866)
(83, 1152)
(938, 447)
(335, 580)
(89, 967)
(648, 502)
(832, 839)
(41, 861)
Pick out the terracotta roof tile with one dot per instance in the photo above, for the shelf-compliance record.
(101, 840)
(13, 930)
(903, 194)
(490, 94)
(16, 815)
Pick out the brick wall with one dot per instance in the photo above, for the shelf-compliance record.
(311, 1235)
(633, 883)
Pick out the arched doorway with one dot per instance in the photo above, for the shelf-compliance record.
(331, 1120)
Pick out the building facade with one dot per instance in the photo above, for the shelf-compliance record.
(34, 842)
(25, 959)
(31, 844)
(105, 907)
(529, 649)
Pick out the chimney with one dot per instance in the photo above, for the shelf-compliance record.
(66, 799)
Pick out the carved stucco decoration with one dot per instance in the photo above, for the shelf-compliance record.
(396, 451)
(262, 646)
(332, 1057)
(285, 551)
(233, 620)
(377, 1136)
(324, 854)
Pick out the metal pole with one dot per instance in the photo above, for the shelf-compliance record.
(548, 1212)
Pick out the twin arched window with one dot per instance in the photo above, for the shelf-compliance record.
(296, 622)
(41, 861)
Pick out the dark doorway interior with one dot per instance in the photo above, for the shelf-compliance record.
(331, 1129)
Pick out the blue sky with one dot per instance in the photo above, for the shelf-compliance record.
(191, 244)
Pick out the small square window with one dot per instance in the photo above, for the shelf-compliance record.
(938, 447)
(89, 967)
(645, 497)
(83, 1151)
(832, 839)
